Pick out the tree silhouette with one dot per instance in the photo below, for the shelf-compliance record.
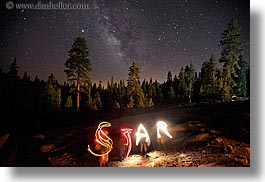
(231, 46)
(209, 78)
(134, 90)
(78, 66)
(189, 75)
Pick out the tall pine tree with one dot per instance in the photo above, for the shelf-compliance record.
(182, 87)
(231, 46)
(209, 78)
(78, 66)
(189, 74)
(241, 87)
(52, 94)
(134, 90)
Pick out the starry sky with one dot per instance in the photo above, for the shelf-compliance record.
(161, 35)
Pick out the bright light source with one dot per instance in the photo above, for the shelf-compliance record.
(161, 125)
(102, 139)
(140, 135)
(127, 134)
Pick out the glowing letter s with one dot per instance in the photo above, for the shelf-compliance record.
(102, 139)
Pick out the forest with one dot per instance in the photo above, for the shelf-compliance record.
(31, 105)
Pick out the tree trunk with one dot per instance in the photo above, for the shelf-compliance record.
(89, 99)
(189, 98)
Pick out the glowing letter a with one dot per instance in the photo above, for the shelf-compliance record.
(140, 135)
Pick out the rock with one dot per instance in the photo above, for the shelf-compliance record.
(39, 137)
(188, 126)
(229, 148)
(247, 149)
(215, 132)
(63, 160)
(242, 153)
(195, 124)
(202, 129)
(200, 137)
(218, 139)
(179, 127)
(3, 139)
(46, 148)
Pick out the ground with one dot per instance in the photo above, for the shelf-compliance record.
(203, 136)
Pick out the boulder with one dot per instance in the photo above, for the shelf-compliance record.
(39, 137)
(188, 126)
(3, 139)
(199, 137)
(46, 148)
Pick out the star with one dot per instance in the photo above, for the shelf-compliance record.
(118, 32)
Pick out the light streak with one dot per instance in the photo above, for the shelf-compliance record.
(127, 134)
(102, 139)
(140, 135)
(161, 125)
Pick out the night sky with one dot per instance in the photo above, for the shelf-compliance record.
(160, 35)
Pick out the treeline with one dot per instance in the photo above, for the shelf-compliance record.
(212, 83)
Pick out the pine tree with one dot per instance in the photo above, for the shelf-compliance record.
(150, 103)
(175, 85)
(52, 94)
(231, 46)
(169, 77)
(11, 85)
(89, 99)
(241, 81)
(134, 89)
(190, 80)
(182, 87)
(25, 77)
(209, 78)
(197, 87)
(25, 94)
(117, 106)
(225, 83)
(151, 93)
(168, 88)
(144, 87)
(78, 66)
(13, 70)
(97, 102)
(37, 94)
(108, 98)
(248, 79)
(100, 87)
(159, 97)
(94, 89)
(121, 94)
(69, 102)
(225, 90)
(130, 104)
(171, 93)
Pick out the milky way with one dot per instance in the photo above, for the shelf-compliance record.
(159, 35)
